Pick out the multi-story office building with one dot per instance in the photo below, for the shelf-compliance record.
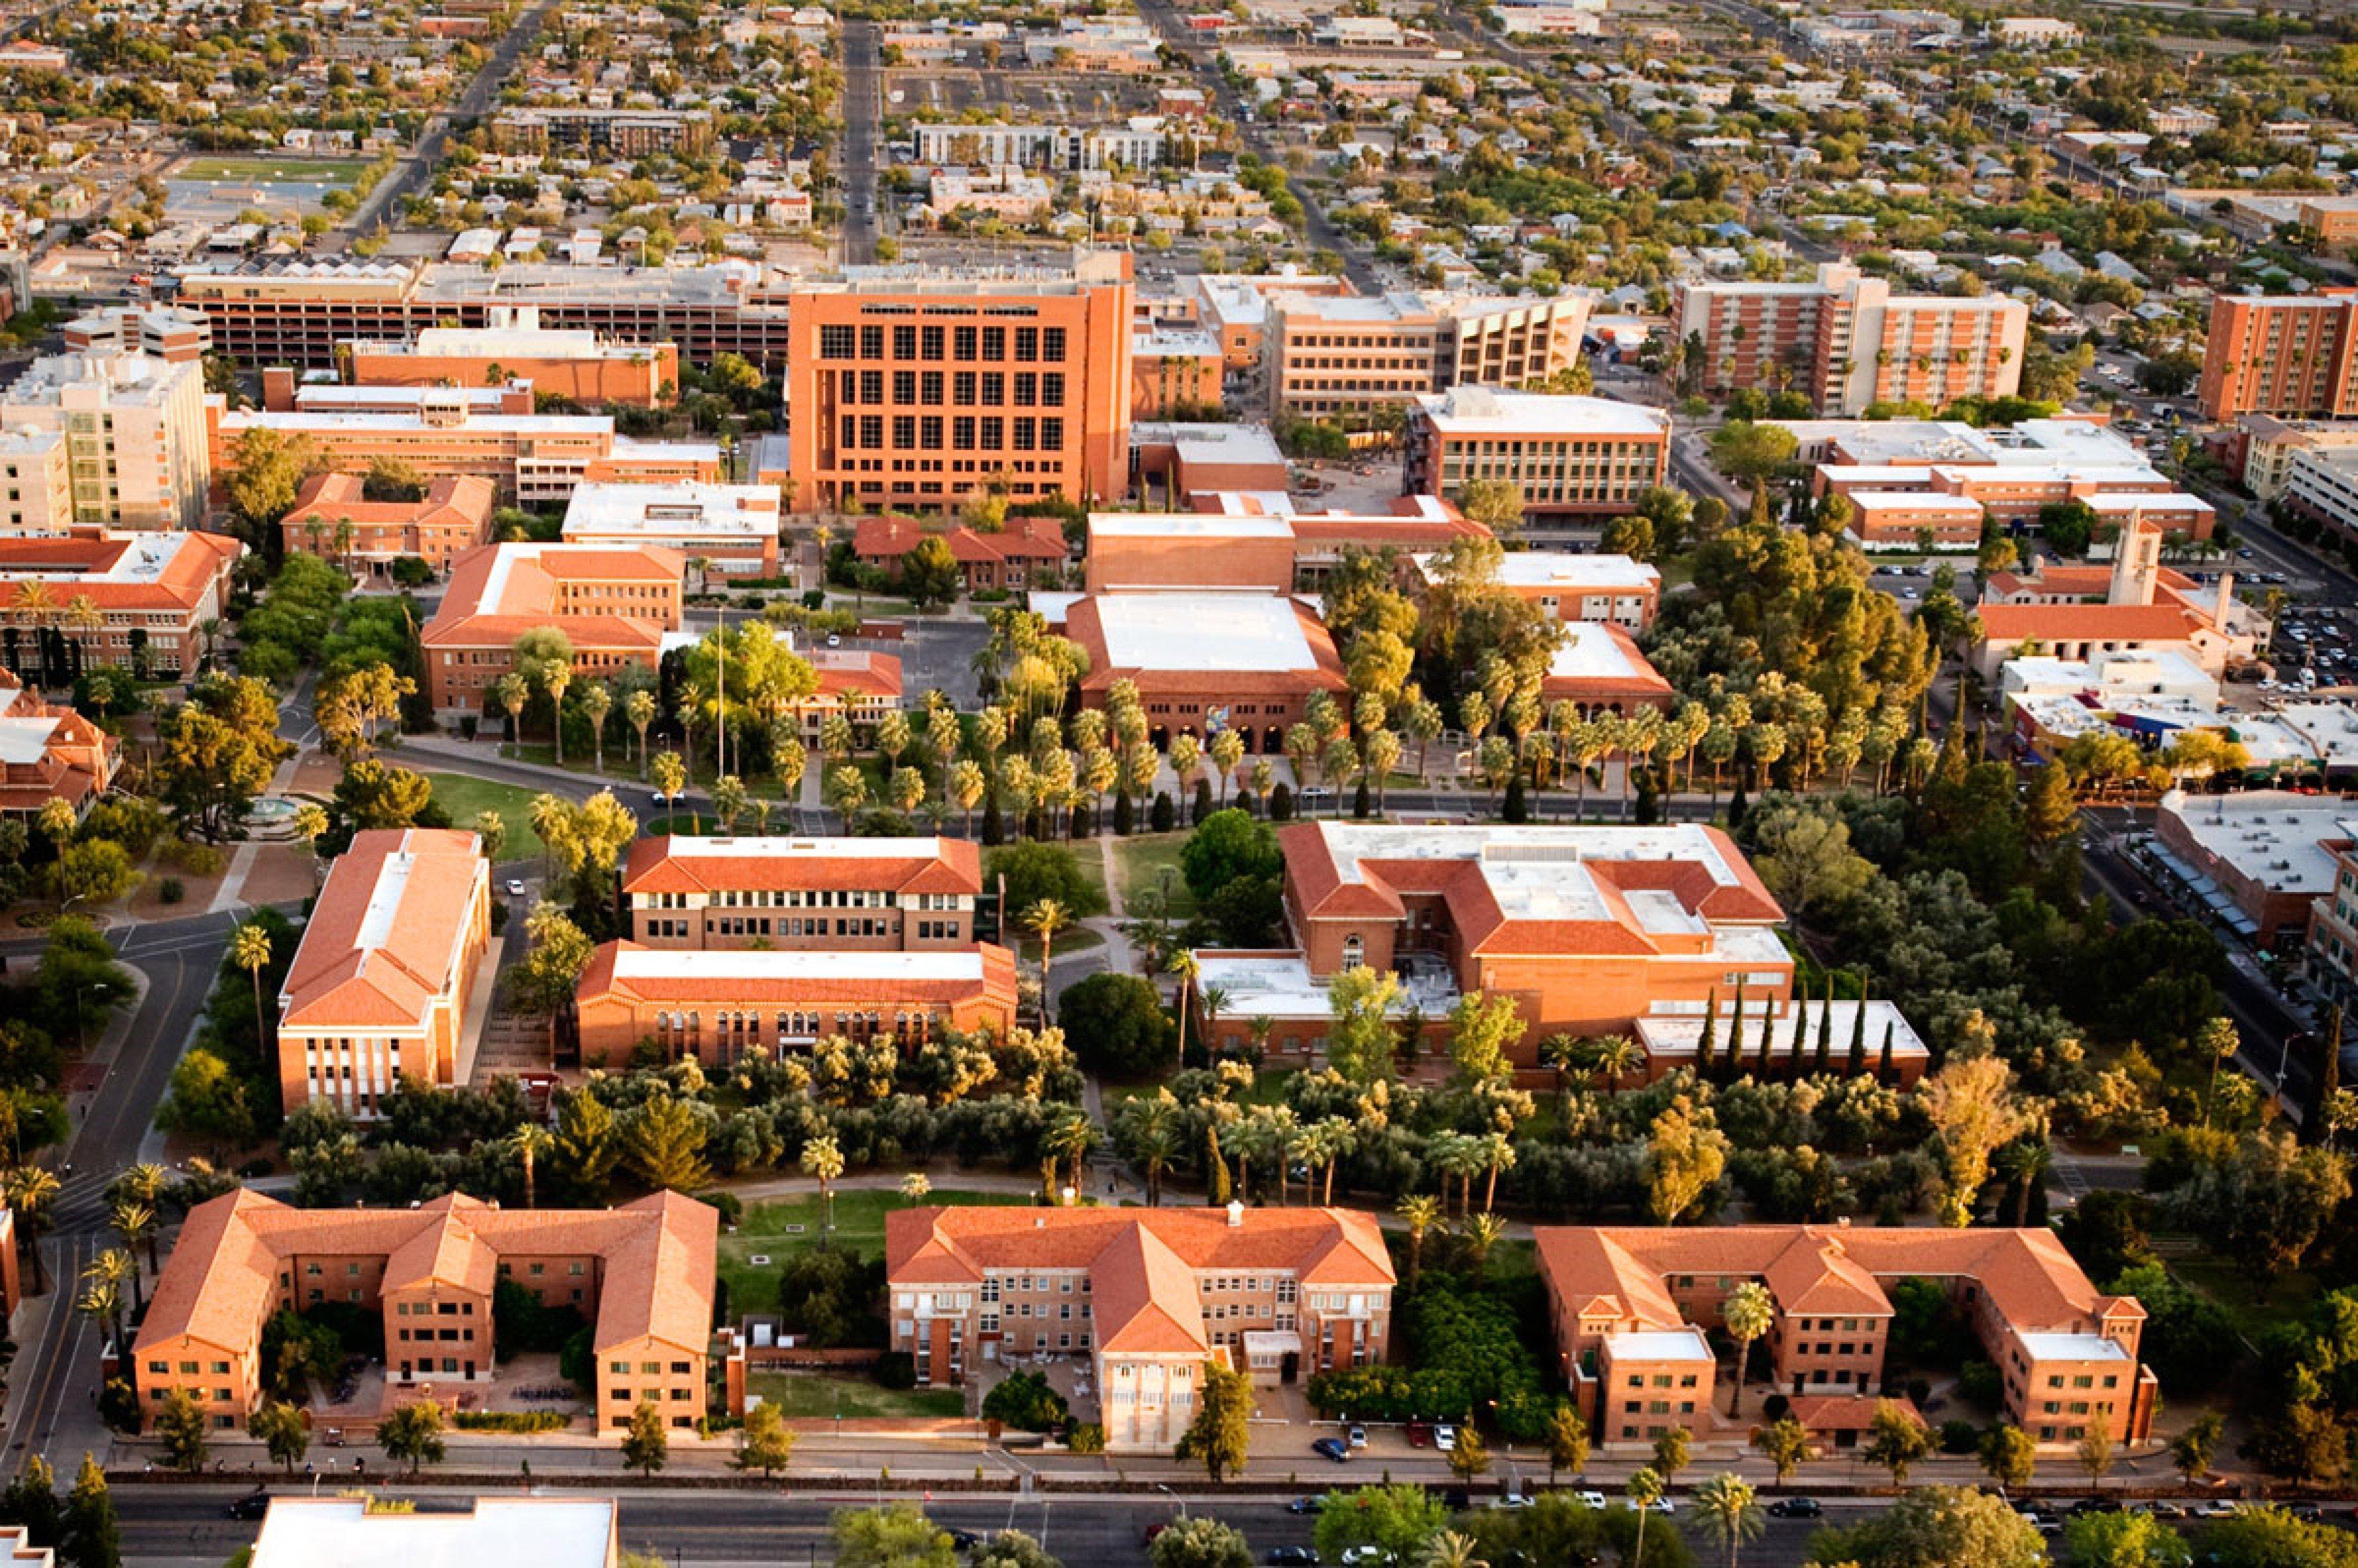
(575, 364)
(1175, 372)
(156, 331)
(154, 591)
(732, 529)
(2294, 355)
(390, 962)
(35, 487)
(1848, 342)
(619, 133)
(1140, 143)
(614, 603)
(135, 430)
(2263, 448)
(1578, 587)
(1573, 456)
(1147, 1295)
(841, 894)
(1345, 356)
(1203, 661)
(1630, 1307)
(715, 1004)
(911, 390)
(300, 313)
(641, 1273)
(334, 520)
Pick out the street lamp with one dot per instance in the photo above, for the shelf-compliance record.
(1174, 1497)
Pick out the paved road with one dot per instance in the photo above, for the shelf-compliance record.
(863, 108)
(416, 165)
(170, 1526)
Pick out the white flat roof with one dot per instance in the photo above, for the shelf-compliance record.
(748, 964)
(548, 1532)
(1657, 1344)
(672, 511)
(2270, 836)
(779, 847)
(1210, 631)
(1283, 989)
(1474, 410)
(1589, 652)
(1188, 525)
(1566, 569)
(1914, 501)
(2071, 1348)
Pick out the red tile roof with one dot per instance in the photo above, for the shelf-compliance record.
(383, 936)
(682, 864)
(1026, 539)
(332, 498)
(2085, 622)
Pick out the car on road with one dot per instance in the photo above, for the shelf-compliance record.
(1333, 1448)
(2159, 1508)
(2219, 1508)
(1590, 1500)
(1292, 1557)
(961, 1539)
(516, 889)
(1796, 1507)
(1353, 1556)
(1514, 1500)
(1446, 1439)
(1303, 1505)
(665, 801)
(252, 1505)
(1359, 1436)
(1660, 1506)
(2308, 1513)
(2086, 1505)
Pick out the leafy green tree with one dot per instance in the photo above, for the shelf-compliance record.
(2010, 1455)
(1200, 1541)
(92, 1536)
(646, 1446)
(928, 575)
(1012, 1549)
(895, 1536)
(1116, 1025)
(1037, 872)
(1897, 1441)
(664, 1142)
(281, 1430)
(1228, 846)
(1221, 1433)
(1936, 1527)
(1397, 1520)
(1567, 1442)
(2122, 1541)
(412, 1435)
(267, 468)
(765, 1443)
(2271, 1538)
(1730, 1511)
(31, 1501)
(1785, 1443)
(180, 1428)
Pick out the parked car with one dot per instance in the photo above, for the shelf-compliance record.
(1333, 1448)
(2308, 1513)
(1589, 1500)
(1292, 1557)
(2086, 1505)
(2040, 1520)
(1372, 1556)
(2219, 1508)
(516, 889)
(1420, 1435)
(2159, 1508)
(665, 801)
(1513, 1500)
(1359, 1436)
(1302, 1505)
(1661, 1506)
(1444, 1438)
(1796, 1507)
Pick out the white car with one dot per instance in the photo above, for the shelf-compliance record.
(1660, 1506)
(1446, 1439)
(2219, 1508)
(1354, 1555)
(515, 890)
(1589, 1500)
(1358, 1436)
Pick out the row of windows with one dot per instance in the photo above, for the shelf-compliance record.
(964, 433)
(965, 388)
(843, 341)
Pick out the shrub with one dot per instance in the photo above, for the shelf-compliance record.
(731, 1208)
(1162, 817)
(1087, 1437)
(170, 891)
(1036, 871)
(896, 1370)
(1960, 1437)
(1116, 1025)
(1025, 1401)
(196, 860)
(510, 1421)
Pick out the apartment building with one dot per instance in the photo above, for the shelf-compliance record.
(1345, 356)
(134, 433)
(2293, 355)
(1656, 933)
(1630, 1307)
(731, 530)
(1572, 587)
(1138, 143)
(154, 592)
(1147, 1295)
(640, 1273)
(551, 1533)
(1204, 662)
(2321, 484)
(715, 1004)
(49, 751)
(2263, 448)
(1573, 458)
(390, 964)
(301, 313)
(1256, 541)
(1848, 342)
(614, 603)
(599, 372)
(911, 389)
(839, 894)
(334, 520)
(156, 331)
(36, 484)
(615, 133)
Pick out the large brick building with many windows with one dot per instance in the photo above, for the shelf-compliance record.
(863, 894)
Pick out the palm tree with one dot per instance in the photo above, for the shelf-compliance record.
(30, 1190)
(1182, 964)
(1451, 1550)
(1420, 1212)
(823, 1158)
(143, 1185)
(133, 1222)
(1482, 1232)
(1562, 1053)
(1498, 1154)
(102, 1302)
(1612, 1058)
(250, 950)
(530, 1141)
(1070, 1138)
(511, 692)
(1730, 1511)
(639, 710)
(1043, 920)
(1748, 1312)
(2022, 1163)
(597, 701)
(555, 677)
(916, 1186)
(1154, 1138)
(1644, 1490)
(82, 613)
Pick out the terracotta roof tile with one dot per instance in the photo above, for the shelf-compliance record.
(383, 933)
(677, 863)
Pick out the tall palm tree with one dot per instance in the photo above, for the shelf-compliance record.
(1451, 1550)
(143, 1185)
(1645, 1489)
(1420, 1212)
(1043, 920)
(1482, 1232)
(31, 1189)
(1070, 1139)
(823, 1158)
(1612, 1058)
(35, 605)
(102, 1302)
(1182, 964)
(1498, 1154)
(2022, 1163)
(82, 613)
(133, 1222)
(639, 710)
(1562, 1053)
(250, 950)
(597, 701)
(556, 676)
(530, 1141)
(1155, 1138)
(1730, 1511)
(1748, 1312)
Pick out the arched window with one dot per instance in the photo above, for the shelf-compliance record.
(1355, 953)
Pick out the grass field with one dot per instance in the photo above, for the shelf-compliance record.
(1140, 862)
(818, 1395)
(769, 1231)
(272, 170)
(464, 797)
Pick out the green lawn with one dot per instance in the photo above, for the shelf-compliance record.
(2233, 1287)
(767, 1232)
(464, 797)
(821, 1394)
(272, 170)
(1140, 862)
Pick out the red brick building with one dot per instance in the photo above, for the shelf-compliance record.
(334, 521)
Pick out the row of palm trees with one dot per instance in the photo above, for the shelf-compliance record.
(1727, 1506)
